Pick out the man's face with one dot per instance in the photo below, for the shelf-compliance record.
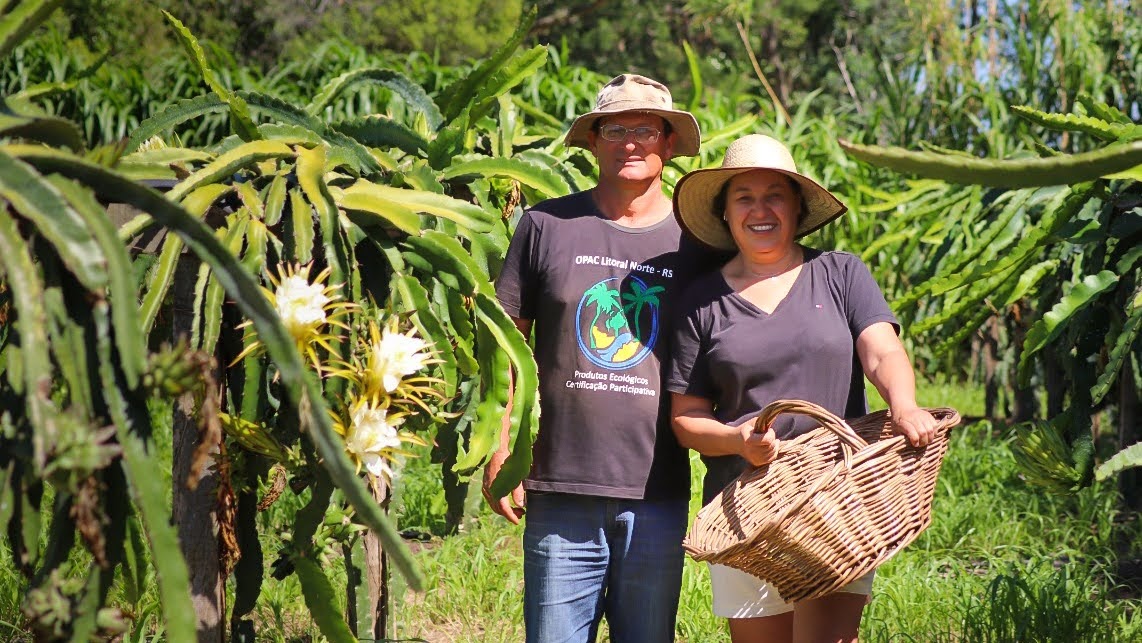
(629, 160)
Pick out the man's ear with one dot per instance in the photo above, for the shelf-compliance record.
(668, 153)
(592, 141)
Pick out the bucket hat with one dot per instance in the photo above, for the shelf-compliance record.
(635, 93)
(695, 193)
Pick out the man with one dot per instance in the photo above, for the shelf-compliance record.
(596, 274)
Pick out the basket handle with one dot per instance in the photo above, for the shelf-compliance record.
(835, 424)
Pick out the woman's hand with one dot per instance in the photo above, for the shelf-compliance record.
(887, 367)
(916, 424)
(758, 448)
(696, 428)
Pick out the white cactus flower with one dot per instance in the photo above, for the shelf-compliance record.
(370, 436)
(301, 305)
(397, 355)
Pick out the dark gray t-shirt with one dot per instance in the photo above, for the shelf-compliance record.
(733, 353)
(602, 298)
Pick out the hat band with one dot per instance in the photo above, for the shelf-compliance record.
(631, 105)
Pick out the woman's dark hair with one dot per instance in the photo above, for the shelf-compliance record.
(720, 198)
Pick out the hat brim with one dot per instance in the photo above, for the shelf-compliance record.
(695, 193)
(687, 136)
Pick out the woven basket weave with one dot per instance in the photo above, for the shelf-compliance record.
(836, 502)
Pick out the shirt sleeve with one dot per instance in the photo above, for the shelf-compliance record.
(689, 365)
(864, 301)
(517, 281)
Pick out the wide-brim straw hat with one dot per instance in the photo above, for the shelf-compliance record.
(634, 93)
(695, 193)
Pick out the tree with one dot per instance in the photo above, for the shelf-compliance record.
(454, 31)
(640, 296)
(605, 300)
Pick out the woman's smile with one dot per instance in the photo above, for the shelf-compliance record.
(761, 227)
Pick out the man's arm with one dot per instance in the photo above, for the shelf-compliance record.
(510, 506)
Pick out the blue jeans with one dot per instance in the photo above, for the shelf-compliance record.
(586, 557)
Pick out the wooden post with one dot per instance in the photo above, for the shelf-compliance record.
(376, 570)
(195, 512)
(1129, 481)
(989, 354)
(1025, 404)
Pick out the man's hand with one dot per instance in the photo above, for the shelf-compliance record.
(510, 506)
(916, 424)
(758, 448)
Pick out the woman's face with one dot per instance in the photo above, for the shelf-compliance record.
(762, 212)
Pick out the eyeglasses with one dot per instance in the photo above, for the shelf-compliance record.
(642, 135)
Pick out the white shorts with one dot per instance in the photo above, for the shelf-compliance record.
(741, 595)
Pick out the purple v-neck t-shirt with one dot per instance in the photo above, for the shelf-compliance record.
(730, 351)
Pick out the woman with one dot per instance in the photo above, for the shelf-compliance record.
(779, 320)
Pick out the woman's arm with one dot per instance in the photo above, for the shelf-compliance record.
(696, 428)
(887, 366)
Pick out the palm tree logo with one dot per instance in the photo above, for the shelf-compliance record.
(605, 300)
(637, 298)
(610, 324)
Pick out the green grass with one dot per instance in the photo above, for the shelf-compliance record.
(1002, 562)
(969, 401)
(998, 553)
(1001, 553)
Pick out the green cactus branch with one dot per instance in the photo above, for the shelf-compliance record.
(299, 385)
(1018, 173)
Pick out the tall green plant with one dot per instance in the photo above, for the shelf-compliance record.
(371, 202)
(405, 222)
(1072, 251)
(77, 375)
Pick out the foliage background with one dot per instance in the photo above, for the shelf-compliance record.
(914, 74)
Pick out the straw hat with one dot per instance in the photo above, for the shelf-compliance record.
(695, 193)
(634, 93)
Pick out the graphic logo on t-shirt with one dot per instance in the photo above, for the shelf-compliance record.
(617, 322)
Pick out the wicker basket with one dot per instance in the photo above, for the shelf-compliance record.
(834, 504)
